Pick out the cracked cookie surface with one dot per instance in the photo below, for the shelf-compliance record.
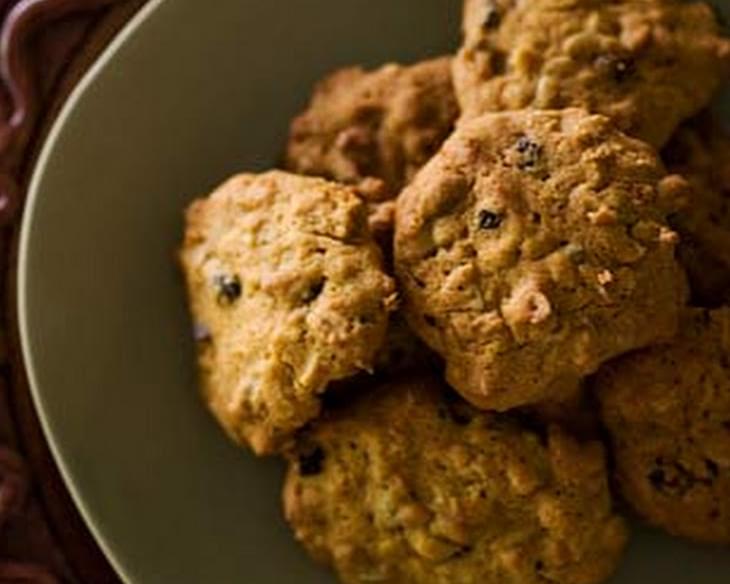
(700, 151)
(288, 293)
(532, 248)
(667, 410)
(647, 64)
(383, 124)
(411, 485)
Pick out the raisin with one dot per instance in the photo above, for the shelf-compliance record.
(311, 462)
(492, 17)
(620, 69)
(712, 468)
(463, 551)
(366, 319)
(676, 482)
(539, 566)
(657, 478)
(314, 290)
(420, 283)
(229, 288)
(430, 320)
(530, 152)
(489, 220)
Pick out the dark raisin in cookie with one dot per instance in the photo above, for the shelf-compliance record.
(288, 291)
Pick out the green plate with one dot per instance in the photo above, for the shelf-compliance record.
(185, 96)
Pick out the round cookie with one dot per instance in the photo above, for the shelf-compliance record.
(288, 293)
(700, 151)
(532, 248)
(382, 124)
(667, 410)
(648, 64)
(411, 485)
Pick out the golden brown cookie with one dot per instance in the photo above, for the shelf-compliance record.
(288, 293)
(667, 410)
(700, 151)
(411, 485)
(532, 248)
(382, 124)
(648, 64)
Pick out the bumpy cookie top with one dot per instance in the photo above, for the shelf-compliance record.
(668, 413)
(410, 485)
(532, 248)
(383, 124)
(700, 151)
(648, 64)
(287, 291)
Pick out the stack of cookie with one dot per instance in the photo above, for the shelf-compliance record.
(472, 270)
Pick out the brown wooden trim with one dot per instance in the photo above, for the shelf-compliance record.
(45, 47)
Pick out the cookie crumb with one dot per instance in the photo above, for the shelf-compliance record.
(489, 220)
(605, 277)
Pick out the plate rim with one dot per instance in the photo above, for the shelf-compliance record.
(35, 188)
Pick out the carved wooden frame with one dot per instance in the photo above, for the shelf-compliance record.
(45, 46)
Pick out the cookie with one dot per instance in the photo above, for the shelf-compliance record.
(648, 64)
(411, 485)
(532, 248)
(700, 151)
(382, 124)
(288, 293)
(667, 410)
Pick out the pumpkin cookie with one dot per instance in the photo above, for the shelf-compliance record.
(667, 410)
(647, 64)
(700, 151)
(411, 485)
(534, 247)
(380, 126)
(288, 293)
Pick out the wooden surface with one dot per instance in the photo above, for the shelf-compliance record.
(45, 47)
